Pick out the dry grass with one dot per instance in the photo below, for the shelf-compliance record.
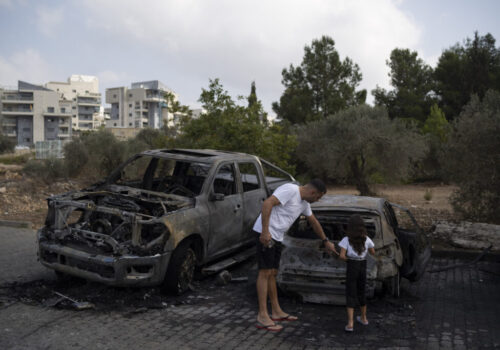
(414, 198)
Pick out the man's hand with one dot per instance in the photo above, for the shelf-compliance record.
(331, 247)
(265, 238)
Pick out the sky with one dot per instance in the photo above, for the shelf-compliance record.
(184, 43)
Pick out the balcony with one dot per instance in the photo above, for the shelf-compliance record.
(57, 114)
(17, 111)
(16, 98)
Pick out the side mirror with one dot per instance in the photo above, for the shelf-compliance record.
(216, 197)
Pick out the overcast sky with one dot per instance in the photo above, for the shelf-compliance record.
(184, 43)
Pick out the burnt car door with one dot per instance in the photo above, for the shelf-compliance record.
(413, 241)
(225, 206)
(307, 269)
(254, 194)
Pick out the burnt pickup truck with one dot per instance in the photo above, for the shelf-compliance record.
(157, 217)
(316, 276)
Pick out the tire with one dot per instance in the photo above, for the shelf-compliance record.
(391, 285)
(180, 271)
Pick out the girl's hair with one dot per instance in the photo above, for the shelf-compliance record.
(356, 232)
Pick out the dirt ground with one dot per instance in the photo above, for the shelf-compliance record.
(413, 197)
(23, 199)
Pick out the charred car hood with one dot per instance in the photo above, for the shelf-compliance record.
(112, 219)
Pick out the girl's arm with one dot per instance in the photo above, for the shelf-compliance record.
(372, 252)
(342, 254)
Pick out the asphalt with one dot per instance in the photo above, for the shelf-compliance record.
(451, 308)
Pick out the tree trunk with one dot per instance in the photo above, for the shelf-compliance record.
(360, 178)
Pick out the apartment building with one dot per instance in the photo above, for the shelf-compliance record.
(83, 92)
(34, 113)
(142, 105)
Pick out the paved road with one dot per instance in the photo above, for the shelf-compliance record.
(453, 309)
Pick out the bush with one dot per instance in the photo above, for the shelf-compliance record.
(16, 158)
(359, 144)
(75, 157)
(46, 170)
(472, 159)
(7, 144)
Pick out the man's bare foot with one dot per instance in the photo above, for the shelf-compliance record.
(284, 317)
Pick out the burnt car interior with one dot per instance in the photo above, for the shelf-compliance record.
(163, 175)
(334, 225)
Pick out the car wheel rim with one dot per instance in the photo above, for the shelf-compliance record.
(187, 270)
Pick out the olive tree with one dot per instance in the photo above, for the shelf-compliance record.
(355, 144)
(472, 159)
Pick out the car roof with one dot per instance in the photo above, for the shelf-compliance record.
(198, 155)
(349, 202)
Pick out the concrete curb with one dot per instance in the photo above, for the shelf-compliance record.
(16, 224)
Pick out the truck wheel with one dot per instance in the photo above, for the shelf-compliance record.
(180, 269)
(391, 285)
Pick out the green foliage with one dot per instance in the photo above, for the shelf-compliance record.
(412, 81)
(46, 170)
(96, 154)
(464, 70)
(428, 195)
(228, 126)
(76, 157)
(320, 86)
(472, 159)
(436, 124)
(436, 130)
(7, 144)
(358, 144)
(16, 158)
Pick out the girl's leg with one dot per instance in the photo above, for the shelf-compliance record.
(363, 313)
(350, 292)
(350, 317)
(362, 291)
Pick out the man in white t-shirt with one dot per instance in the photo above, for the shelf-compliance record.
(279, 212)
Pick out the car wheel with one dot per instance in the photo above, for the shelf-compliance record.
(391, 285)
(180, 270)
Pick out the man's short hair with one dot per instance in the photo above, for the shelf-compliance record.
(318, 184)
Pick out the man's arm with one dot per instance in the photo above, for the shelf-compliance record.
(316, 226)
(267, 207)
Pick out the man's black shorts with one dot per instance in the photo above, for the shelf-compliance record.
(268, 258)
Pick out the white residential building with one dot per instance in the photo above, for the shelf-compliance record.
(83, 92)
(34, 113)
(142, 105)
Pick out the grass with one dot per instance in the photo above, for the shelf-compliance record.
(17, 159)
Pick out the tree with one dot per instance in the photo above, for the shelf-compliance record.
(7, 144)
(464, 70)
(358, 143)
(436, 129)
(472, 159)
(229, 126)
(320, 86)
(412, 81)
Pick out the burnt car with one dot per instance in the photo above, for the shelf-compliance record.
(157, 217)
(307, 270)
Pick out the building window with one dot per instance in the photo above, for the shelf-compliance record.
(50, 109)
(130, 105)
(114, 95)
(130, 114)
(74, 91)
(63, 110)
(129, 124)
(114, 124)
(74, 107)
